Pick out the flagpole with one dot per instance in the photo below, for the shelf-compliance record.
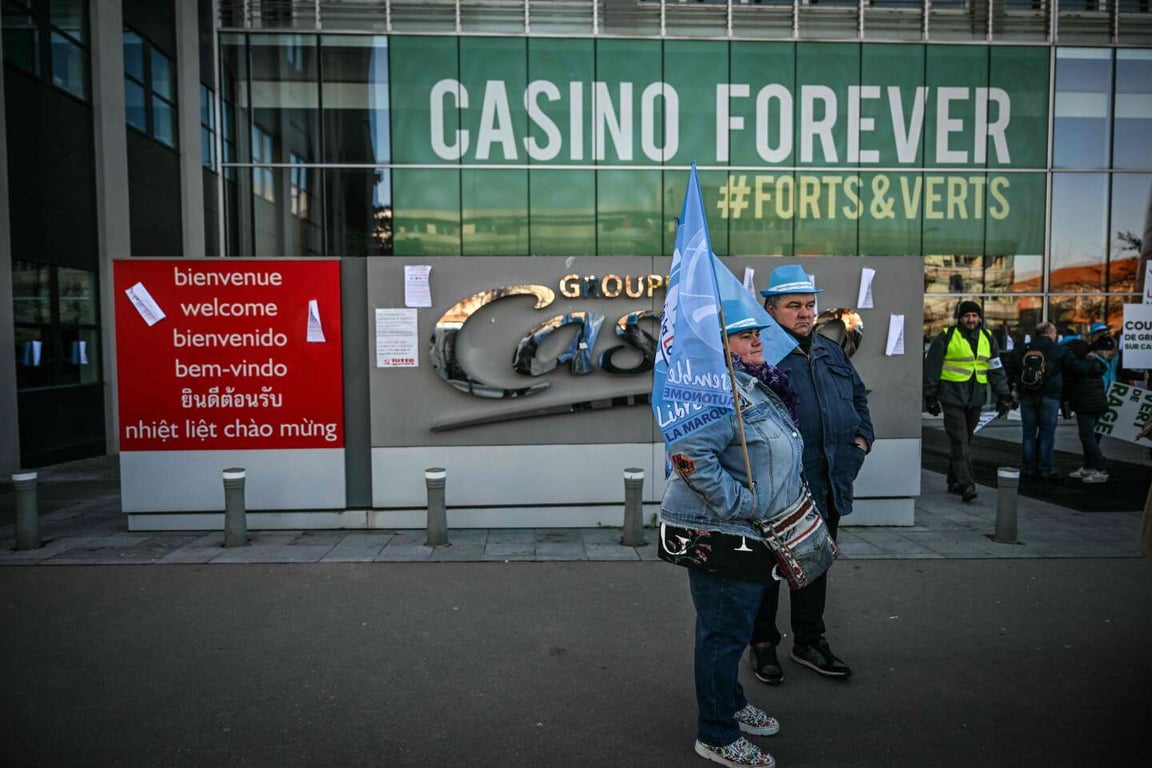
(736, 400)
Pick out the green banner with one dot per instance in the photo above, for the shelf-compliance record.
(850, 148)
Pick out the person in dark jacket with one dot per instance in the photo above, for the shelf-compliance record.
(1040, 409)
(1084, 392)
(832, 411)
(960, 364)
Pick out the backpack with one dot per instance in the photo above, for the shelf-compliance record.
(1033, 371)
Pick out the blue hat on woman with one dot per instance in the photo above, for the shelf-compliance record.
(789, 278)
(1097, 327)
(738, 317)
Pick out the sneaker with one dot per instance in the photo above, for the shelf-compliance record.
(739, 753)
(1079, 474)
(820, 658)
(765, 665)
(1095, 476)
(756, 722)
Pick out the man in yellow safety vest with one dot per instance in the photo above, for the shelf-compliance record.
(958, 367)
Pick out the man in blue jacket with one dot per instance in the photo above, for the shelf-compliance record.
(1040, 402)
(832, 408)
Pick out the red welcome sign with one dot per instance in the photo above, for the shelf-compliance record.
(229, 354)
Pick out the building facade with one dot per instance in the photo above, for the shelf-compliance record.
(1003, 149)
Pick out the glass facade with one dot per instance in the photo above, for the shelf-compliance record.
(1019, 174)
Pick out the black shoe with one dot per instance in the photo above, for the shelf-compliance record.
(955, 488)
(765, 665)
(820, 658)
(969, 492)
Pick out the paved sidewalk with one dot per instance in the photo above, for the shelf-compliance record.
(88, 528)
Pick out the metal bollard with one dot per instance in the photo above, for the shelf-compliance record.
(1007, 483)
(633, 535)
(235, 517)
(434, 480)
(27, 511)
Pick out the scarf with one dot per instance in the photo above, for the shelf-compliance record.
(776, 379)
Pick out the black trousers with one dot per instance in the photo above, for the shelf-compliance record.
(959, 424)
(806, 605)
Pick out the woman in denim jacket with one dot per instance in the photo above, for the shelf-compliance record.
(706, 512)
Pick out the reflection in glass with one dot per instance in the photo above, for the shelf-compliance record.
(31, 292)
(843, 326)
(1073, 315)
(285, 99)
(69, 66)
(359, 217)
(1133, 125)
(493, 212)
(561, 207)
(1083, 108)
(446, 356)
(628, 213)
(77, 296)
(277, 229)
(1131, 201)
(355, 98)
(1079, 232)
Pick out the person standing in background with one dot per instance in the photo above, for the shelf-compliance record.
(960, 364)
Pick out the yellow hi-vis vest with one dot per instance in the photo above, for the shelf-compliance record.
(959, 365)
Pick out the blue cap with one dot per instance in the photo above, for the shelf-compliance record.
(789, 278)
(1097, 327)
(738, 317)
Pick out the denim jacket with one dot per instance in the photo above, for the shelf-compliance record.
(832, 408)
(708, 489)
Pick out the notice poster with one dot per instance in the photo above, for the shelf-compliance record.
(228, 354)
(1127, 417)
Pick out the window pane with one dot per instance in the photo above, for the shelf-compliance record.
(68, 15)
(33, 352)
(134, 105)
(427, 211)
(355, 97)
(285, 87)
(30, 292)
(207, 110)
(562, 209)
(1131, 199)
(628, 213)
(1083, 108)
(21, 39)
(69, 66)
(276, 231)
(134, 55)
(233, 91)
(359, 212)
(77, 296)
(1133, 126)
(164, 122)
(494, 212)
(1073, 315)
(81, 358)
(1079, 231)
(207, 149)
(162, 76)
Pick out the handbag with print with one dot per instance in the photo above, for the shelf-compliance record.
(799, 542)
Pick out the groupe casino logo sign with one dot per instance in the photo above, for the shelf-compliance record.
(635, 353)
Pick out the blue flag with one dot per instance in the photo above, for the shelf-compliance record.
(691, 385)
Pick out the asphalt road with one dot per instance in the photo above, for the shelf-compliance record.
(957, 663)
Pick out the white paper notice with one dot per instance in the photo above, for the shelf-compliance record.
(1148, 283)
(864, 301)
(750, 280)
(315, 329)
(396, 338)
(895, 345)
(985, 417)
(145, 304)
(417, 286)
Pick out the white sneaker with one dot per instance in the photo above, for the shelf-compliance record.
(756, 722)
(1079, 474)
(739, 753)
(1095, 476)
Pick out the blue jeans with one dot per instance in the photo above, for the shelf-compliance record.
(1089, 440)
(725, 610)
(1038, 417)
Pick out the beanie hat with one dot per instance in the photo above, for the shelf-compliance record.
(969, 306)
